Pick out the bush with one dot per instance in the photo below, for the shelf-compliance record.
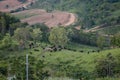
(2, 77)
(106, 66)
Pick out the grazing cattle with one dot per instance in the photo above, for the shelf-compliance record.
(31, 45)
(74, 50)
(43, 56)
(88, 52)
(60, 49)
(65, 48)
(55, 49)
(36, 50)
(52, 48)
(48, 49)
(81, 51)
(10, 49)
(51, 51)
(98, 51)
(30, 52)
(69, 49)
(93, 51)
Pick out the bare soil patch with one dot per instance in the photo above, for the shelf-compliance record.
(33, 16)
(56, 18)
(8, 5)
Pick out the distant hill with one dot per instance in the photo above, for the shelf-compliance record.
(90, 12)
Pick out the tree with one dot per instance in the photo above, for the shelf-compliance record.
(13, 27)
(100, 41)
(3, 25)
(115, 41)
(117, 69)
(45, 31)
(70, 33)
(2, 77)
(106, 66)
(6, 41)
(37, 34)
(58, 36)
(22, 35)
(18, 66)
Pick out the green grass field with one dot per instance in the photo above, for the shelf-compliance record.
(67, 58)
(85, 60)
(58, 62)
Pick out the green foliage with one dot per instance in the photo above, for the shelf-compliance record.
(2, 77)
(106, 66)
(45, 31)
(22, 33)
(58, 36)
(18, 66)
(111, 30)
(90, 12)
(3, 68)
(37, 35)
(115, 41)
(107, 78)
(117, 69)
(5, 21)
(84, 38)
(100, 41)
(6, 42)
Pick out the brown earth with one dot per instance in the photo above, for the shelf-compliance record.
(56, 18)
(8, 5)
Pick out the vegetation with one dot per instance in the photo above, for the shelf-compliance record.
(63, 52)
(58, 37)
(22, 0)
(116, 40)
(90, 12)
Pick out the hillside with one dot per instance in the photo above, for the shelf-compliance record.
(67, 64)
(60, 39)
(14, 5)
(90, 13)
(51, 19)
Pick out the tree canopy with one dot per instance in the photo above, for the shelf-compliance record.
(58, 36)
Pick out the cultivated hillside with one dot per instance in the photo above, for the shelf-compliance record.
(51, 19)
(14, 5)
(91, 13)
